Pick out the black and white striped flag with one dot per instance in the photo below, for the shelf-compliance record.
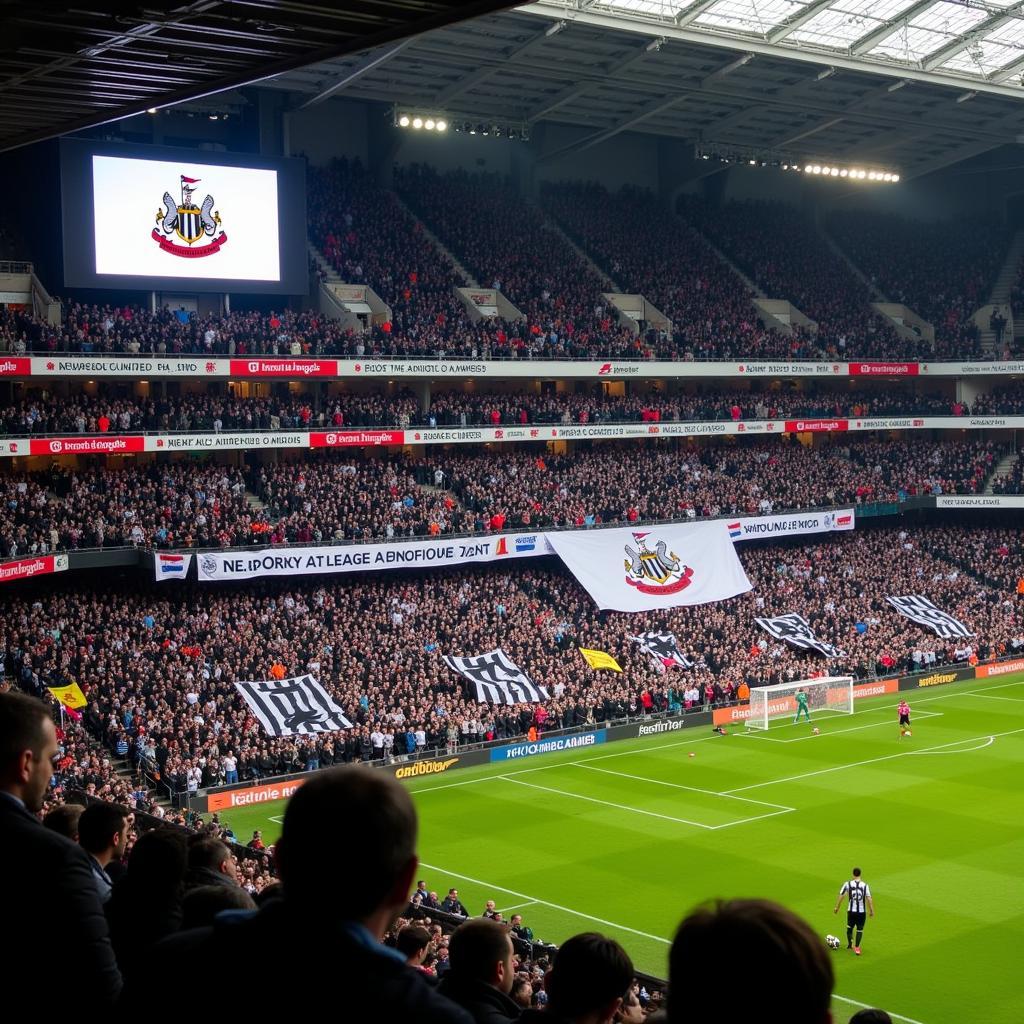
(288, 706)
(498, 679)
(796, 630)
(919, 609)
(663, 649)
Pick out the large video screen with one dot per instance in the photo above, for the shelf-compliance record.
(143, 217)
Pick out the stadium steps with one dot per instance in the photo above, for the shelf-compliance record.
(331, 276)
(555, 228)
(436, 242)
(1002, 289)
(1005, 464)
(877, 295)
(258, 507)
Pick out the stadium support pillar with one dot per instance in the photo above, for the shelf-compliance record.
(382, 142)
(524, 166)
(424, 395)
(271, 121)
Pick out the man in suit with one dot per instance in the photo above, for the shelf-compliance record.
(57, 927)
(346, 856)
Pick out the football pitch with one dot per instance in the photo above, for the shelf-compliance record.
(625, 838)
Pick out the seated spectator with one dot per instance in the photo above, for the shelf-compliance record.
(103, 834)
(587, 982)
(413, 942)
(314, 851)
(48, 878)
(63, 820)
(787, 971)
(452, 904)
(201, 905)
(210, 862)
(481, 971)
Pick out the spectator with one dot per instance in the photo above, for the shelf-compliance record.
(788, 972)
(413, 942)
(870, 1016)
(49, 878)
(586, 984)
(210, 862)
(452, 904)
(103, 834)
(63, 820)
(314, 851)
(481, 971)
(201, 904)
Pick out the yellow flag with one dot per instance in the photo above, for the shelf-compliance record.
(599, 659)
(70, 696)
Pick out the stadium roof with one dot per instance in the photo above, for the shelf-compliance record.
(608, 72)
(64, 68)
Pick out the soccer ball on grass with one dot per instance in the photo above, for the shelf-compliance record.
(832, 942)
(816, 730)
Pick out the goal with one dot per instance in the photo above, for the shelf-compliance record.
(832, 695)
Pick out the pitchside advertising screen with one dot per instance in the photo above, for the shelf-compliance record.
(156, 218)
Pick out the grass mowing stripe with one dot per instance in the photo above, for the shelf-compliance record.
(537, 901)
(871, 760)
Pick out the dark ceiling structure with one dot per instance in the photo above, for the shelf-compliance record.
(64, 68)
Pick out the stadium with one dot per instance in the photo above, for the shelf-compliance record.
(514, 512)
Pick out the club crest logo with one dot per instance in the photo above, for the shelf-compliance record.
(655, 572)
(181, 224)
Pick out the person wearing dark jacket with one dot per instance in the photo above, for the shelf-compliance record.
(316, 850)
(49, 894)
(586, 983)
(480, 972)
(210, 862)
(451, 904)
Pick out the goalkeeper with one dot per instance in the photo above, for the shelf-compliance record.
(801, 706)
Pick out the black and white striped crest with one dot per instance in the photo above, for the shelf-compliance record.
(663, 648)
(919, 609)
(796, 630)
(498, 679)
(289, 706)
(190, 224)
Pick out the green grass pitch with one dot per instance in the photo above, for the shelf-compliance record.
(625, 838)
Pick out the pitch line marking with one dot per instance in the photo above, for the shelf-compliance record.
(873, 760)
(605, 803)
(684, 743)
(994, 696)
(608, 924)
(839, 732)
(517, 906)
(989, 740)
(689, 789)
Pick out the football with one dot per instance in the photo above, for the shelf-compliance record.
(907, 732)
(832, 942)
(816, 730)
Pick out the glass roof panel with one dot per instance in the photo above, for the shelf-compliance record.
(949, 18)
(758, 16)
(984, 58)
(833, 27)
(910, 44)
(659, 8)
(1010, 34)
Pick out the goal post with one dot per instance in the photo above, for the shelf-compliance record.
(831, 694)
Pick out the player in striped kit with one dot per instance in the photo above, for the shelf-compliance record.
(859, 894)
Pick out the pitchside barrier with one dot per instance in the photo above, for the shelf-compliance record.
(260, 791)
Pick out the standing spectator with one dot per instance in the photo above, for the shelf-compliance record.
(481, 972)
(210, 862)
(314, 851)
(788, 973)
(64, 820)
(452, 904)
(103, 834)
(48, 878)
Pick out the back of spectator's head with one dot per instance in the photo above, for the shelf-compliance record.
(157, 862)
(103, 827)
(412, 942)
(871, 1016)
(481, 950)
(201, 905)
(316, 847)
(522, 992)
(782, 957)
(64, 820)
(212, 854)
(589, 978)
(28, 745)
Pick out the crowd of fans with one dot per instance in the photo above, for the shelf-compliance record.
(159, 667)
(109, 411)
(943, 270)
(334, 496)
(1011, 482)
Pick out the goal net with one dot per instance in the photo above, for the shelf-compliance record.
(832, 695)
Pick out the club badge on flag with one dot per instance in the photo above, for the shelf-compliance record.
(631, 570)
(663, 649)
(599, 659)
(70, 696)
(289, 706)
(498, 679)
(795, 630)
(919, 609)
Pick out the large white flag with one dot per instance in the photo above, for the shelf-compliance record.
(645, 568)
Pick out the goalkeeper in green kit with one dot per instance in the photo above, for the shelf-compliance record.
(801, 706)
